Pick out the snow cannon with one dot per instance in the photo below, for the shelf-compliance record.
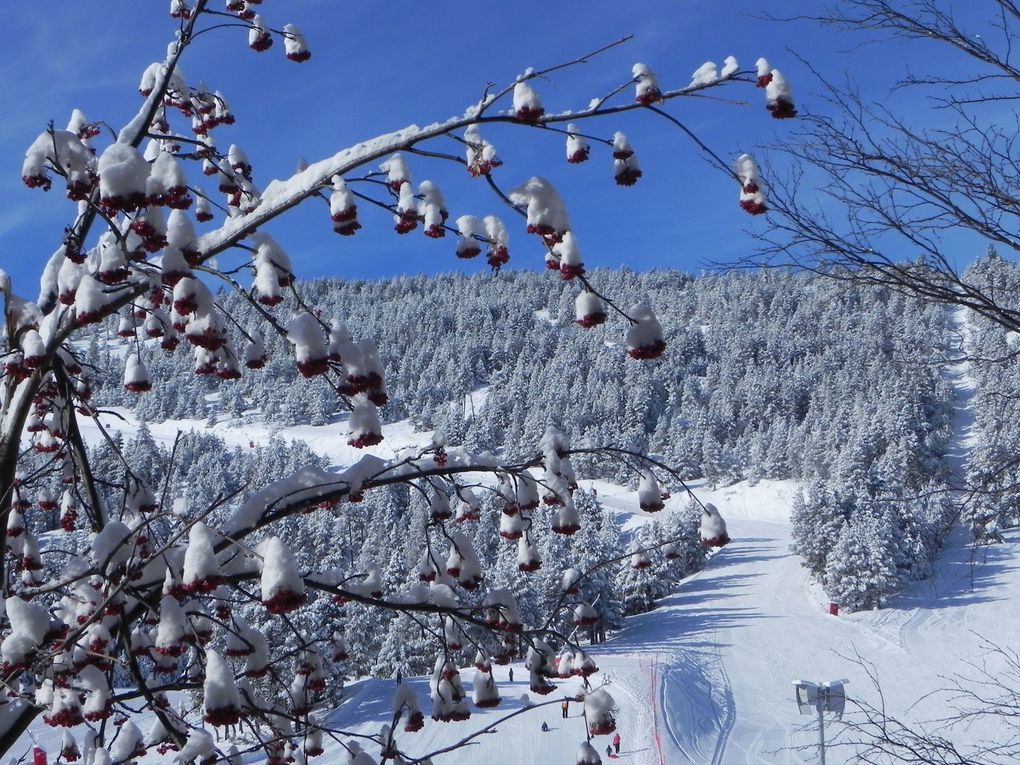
(713, 528)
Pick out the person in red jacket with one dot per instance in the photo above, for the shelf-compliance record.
(616, 742)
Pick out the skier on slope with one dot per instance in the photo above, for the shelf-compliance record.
(616, 742)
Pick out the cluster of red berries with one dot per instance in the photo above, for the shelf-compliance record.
(284, 601)
(645, 352)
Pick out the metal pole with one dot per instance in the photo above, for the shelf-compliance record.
(821, 733)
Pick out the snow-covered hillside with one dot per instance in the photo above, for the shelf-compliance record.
(329, 441)
(706, 677)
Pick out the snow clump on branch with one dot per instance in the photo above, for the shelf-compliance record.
(283, 589)
(578, 149)
(527, 104)
(647, 88)
(713, 527)
(644, 337)
(544, 207)
(752, 199)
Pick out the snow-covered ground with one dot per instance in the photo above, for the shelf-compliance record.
(328, 440)
(730, 643)
(706, 677)
(960, 376)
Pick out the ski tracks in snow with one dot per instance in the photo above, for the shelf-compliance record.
(727, 666)
(682, 701)
(692, 690)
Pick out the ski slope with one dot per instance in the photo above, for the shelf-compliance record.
(707, 676)
(730, 643)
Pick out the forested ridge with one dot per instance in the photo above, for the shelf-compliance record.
(767, 376)
(771, 375)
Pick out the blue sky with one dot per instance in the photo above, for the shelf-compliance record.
(379, 66)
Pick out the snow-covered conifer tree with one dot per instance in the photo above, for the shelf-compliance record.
(818, 519)
(862, 566)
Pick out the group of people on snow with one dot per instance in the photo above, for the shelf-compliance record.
(612, 750)
(615, 744)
